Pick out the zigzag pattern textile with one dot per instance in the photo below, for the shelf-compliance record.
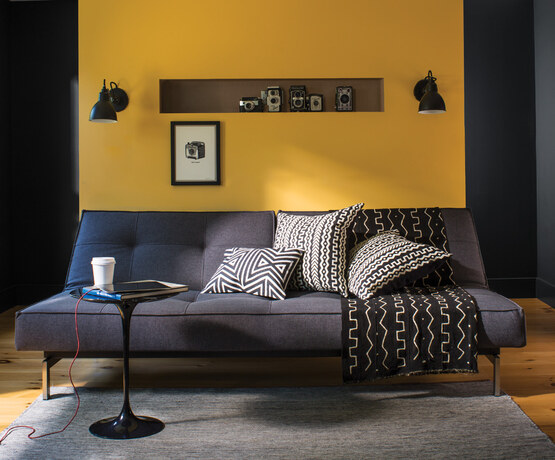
(421, 225)
(387, 261)
(323, 239)
(264, 272)
(414, 331)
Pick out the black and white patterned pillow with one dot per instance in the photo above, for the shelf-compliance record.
(387, 261)
(323, 239)
(264, 272)
(421, 225)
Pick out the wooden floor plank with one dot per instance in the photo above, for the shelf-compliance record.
(527, 374)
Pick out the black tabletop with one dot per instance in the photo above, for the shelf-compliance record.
(77, 293)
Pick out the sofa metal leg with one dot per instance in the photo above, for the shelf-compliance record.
(47, 363)
(496, 361)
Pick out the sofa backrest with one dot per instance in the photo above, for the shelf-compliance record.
(187, 247)
(468, 267)
(179, 247)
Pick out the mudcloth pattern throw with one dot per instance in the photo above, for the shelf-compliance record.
(414, 331)
(421, 225)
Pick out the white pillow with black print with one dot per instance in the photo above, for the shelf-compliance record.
(323, 238)
(260, 271)
(387, 262)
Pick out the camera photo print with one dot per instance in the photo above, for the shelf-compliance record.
(195, 150)
(195, 153)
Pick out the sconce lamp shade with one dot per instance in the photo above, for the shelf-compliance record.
(426, 92)
(109, 102)
(432, 102)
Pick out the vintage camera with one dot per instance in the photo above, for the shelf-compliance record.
(274, 98)
(315, 102)
(344, 98)
(195, 150)
(251, 104)
(297, 99)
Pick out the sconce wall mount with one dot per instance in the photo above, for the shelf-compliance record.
(425, 91)
(109, 102)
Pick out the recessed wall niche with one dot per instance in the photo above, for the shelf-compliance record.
(223, 95)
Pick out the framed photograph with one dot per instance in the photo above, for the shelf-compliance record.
(195, 152)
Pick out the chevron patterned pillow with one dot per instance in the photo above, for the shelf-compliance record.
(387, 261)
(323, 238)
(264, 272)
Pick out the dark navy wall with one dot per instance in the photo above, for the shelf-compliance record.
(544, 32)
(500, 139)
(6, 281)
(43, 76)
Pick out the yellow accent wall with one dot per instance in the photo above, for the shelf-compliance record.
(395, 158)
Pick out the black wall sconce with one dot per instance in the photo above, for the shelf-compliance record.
(109, 102)
(426, 92)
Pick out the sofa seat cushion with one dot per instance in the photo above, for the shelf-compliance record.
(296, 303)
(500, 321)
(49, 325)
(305, 323)
(308, 322)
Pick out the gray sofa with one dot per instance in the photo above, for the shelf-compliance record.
(187, 247)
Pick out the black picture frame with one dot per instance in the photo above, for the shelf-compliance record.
(195, 153)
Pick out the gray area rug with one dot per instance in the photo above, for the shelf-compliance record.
(452, 420)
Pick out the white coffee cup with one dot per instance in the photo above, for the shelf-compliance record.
(103, 270)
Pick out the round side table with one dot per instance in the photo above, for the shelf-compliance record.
(126, 425)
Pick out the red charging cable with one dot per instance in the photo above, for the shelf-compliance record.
(33, 430)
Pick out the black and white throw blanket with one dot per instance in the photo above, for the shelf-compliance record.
(418, 330)
(430, 327)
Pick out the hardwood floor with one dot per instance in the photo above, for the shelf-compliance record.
(527, 374)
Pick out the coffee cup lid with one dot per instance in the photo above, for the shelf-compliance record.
(103, 260)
